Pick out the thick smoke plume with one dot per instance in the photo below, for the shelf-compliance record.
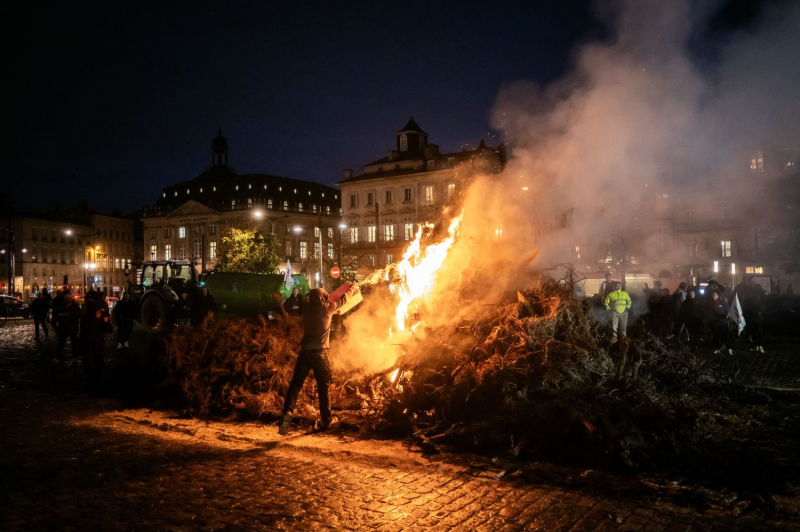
(639, 115)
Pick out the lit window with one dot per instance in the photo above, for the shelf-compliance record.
(176, 192)
(164, 195)
(214, 189)
(451, 191)
(166, 232)
(328, 210)
(303, 250)
(249, 203)
(212, 230)
(280, 189)
(354, 235)
(295, 191)
(237, 187)
(269, 204)
(316, 249)
(408, 231)
(182, 251)
(371, 233)
(212, 250)
(388, 232)
(249, 186)
(285, 205)
(153, 252)
(181, 232)
(330, 251)
(309, 192)
(336, 196)
(187, 190)
(389, 258)
(300, 207)
(330, 232)
(313, 208)
(323, 194)
(725, 248)
(201, 190)
(693, 249)
(265, 187)
(316, 232)
(429, 195)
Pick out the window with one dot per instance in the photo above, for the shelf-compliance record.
(181, 232)
(300, 207)
(116, 264)
(316, 249)
(314, 208)
(330, 251)
(725, 246)
(371, 233)
(249, 203)
(406, 195)
(370, 198)
(117, 234)
(285, 205)
(451, 191)
(181, 251)
(428, 194)
(105, 262)
(328, 211)
(303, 250)
(353, 200)
(198, 249)
(166, 232)
(212, 251)
(272, 228)
(372, 260)
(168, 252)
(316, 232)
(693, 249)
(233, 203)
(288, 229)
(388, 196)
(152, 234)
(388, 233)
(63, 256)
(330, 232)
(389, 258)
(269, 204)
(288, 248)
(431, 166)
(408, 231)
(34, 234)
(451, 162)
(71, 256)
(403, 142)
(212, 230)
(354, 235)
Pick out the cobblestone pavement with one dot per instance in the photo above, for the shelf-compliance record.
(70, 461)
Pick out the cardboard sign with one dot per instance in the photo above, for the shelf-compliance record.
(354, 300)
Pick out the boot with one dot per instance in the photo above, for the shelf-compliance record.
(283, 428)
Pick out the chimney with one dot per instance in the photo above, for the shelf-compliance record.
(348, 173)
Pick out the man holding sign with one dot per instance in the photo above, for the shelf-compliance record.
(313, 354)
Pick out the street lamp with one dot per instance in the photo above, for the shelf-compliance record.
(87, 266)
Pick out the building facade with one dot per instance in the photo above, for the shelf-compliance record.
(383, 204)
(189, 218)
(79, 249)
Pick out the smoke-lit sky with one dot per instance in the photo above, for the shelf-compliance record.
(113, 101)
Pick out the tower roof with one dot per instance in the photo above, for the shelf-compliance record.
(412, 126)
(219, 141)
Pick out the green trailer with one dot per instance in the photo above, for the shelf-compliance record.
(243, 294)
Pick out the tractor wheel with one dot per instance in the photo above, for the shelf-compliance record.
(156, 315)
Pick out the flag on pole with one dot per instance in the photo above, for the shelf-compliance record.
(288, 280)
(736, 315)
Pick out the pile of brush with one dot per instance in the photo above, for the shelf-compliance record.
(241, 364)
(536, 375)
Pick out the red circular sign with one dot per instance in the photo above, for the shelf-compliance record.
(335, 272)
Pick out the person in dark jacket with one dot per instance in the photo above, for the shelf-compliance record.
(752, 299)
(678, 298)
(294, 304)
(719, 324)
(692, 314)
(95, 322)
(68, 324)
(183, 310)
(206, 304)
(41, 306)
(124, 315)
(314, 354)
(57, 305)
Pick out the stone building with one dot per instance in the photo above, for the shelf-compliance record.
(189, 218)
(383, 204)
(77, 247)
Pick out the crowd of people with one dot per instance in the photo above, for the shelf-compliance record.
(690, 314)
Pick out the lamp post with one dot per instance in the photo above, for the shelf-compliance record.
(70, 232)
(87, 267)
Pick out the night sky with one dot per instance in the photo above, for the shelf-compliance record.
(113, 102)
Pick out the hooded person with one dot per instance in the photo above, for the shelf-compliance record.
(313, 354)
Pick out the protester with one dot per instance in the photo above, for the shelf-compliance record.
(314, 355)
(294, 304)
(752, 299)
(692, 315)
(618, 303)
(124, 315)
(719, 324)
(183, 310)
(677, 301)
(40, 308)
(95, 323)
(57, 306)
(68, 324)
(206, 304)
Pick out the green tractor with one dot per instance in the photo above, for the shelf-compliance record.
(236, 294)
